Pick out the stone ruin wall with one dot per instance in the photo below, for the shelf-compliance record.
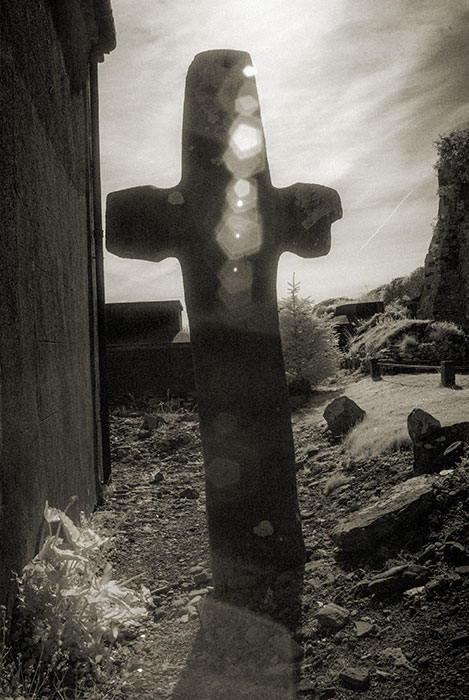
(445, 295)
(49, 445)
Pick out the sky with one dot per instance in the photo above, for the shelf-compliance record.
(353, 95)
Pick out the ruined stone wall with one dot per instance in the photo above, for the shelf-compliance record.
(48, 438)
(445, 295)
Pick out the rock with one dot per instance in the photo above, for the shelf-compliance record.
(396, 655)
(198, 592)
(423, 661)
(419, 423)
(363, 628)
(332, 616)
(382, 676)
(158, 477)
(201, 577)
(436, 448)
(398, 579)
(462, 570)
(189, 492)
(342, 414)
(460, 640)
(355, 678)
(196, 569)
(413, 594)
(405, 503)
(455, 553)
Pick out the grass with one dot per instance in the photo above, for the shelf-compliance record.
(388, 403)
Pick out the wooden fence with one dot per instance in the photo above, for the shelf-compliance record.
(447, 369)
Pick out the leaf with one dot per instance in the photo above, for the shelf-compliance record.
(51, 515)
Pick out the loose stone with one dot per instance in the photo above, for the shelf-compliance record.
(355, 678)
(332, 616)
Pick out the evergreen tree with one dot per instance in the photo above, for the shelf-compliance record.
(309, 342)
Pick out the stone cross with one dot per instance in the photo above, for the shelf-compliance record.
(228, 226)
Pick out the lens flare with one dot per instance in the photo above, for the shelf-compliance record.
(246, 105)
(239, 235)
(246, 139)
(241, 195)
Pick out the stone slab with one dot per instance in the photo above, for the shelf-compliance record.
(406, 503)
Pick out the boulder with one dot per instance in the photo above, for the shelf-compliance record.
(342, 414)
(380, 521)
(436, 447)
(419, 423)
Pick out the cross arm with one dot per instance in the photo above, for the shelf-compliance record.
(307, 213)
(145, 222)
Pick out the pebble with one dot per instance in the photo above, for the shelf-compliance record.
(460, 640)
(455, 553)
(332, 616)
(198, 592)
(189, 493)
(382, 676)
(201, 577)
(363, 628)
(355, 678)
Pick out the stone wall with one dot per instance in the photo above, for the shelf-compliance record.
(49, 429)
(445, 295)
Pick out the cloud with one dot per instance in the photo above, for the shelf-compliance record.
(353, 95)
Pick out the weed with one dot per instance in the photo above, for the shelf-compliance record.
(335, 481)
(69, 614)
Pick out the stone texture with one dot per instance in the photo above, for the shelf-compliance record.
(398, 579)
(333, 616)
(419, 423)
(342, 414)
(445, 296)
(355, 678)
(364, 628)
(436, 447)
(379, 521)
(228, 226)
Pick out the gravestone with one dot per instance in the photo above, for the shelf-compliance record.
(228, 226)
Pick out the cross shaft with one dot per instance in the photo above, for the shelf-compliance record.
(228, 226)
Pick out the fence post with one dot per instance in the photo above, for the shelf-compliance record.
(375, 370)
(447, 372)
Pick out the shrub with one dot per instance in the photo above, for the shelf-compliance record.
(309, 342)
(70, 611)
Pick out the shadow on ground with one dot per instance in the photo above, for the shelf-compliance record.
(239, 654)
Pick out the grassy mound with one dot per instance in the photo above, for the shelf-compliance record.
(409, 340)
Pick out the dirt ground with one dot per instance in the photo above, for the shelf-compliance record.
(192, 647)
